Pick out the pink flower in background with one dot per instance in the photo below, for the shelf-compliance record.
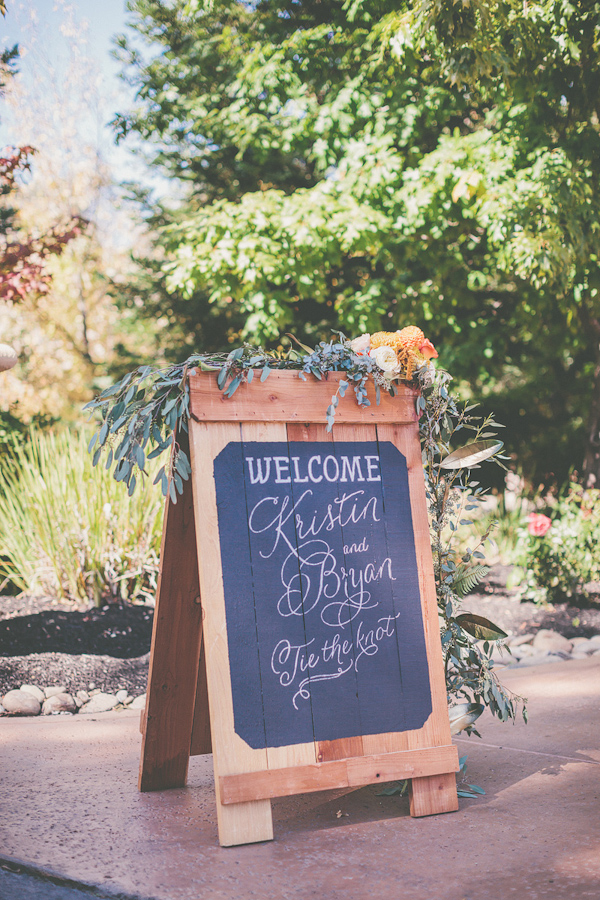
(538, 524)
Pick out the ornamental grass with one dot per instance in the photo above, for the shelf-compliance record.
(70, 532)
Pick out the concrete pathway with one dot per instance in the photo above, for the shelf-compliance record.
(70, 806)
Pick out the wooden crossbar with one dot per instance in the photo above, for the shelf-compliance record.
(339, 773)
(283, 397)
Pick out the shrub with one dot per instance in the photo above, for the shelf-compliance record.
(72, 532)
(561, 547)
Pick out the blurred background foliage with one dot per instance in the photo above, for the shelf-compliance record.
(355, 164)
(364, 164)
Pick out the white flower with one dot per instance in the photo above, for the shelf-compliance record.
(361, 344)
(386, 359)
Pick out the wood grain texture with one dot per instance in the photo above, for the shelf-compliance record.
(436, 731)
(284, 397)
(343, 748)
(252, 821)
(432, 795)
(201, 742)
(296, 754)
(175, 651)
(353, 772)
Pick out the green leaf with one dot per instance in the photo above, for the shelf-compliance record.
(476, 788)
(394, 790)
(467, 577)
(471, 455)
(463, 715)
(233, 386)
(480, 628)
(265, 373)
(132, 484)
(222, 377)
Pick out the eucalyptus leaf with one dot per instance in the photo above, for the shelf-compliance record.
(471, 455)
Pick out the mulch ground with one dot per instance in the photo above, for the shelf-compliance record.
(45, 643)
(48, 643)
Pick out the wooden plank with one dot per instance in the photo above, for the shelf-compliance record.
(252, 821)
(175, 651)
(296, 754)
(343, 747)
(436, 730)
(352, 772)
(201, 742)
(283, 397)
(432, 795)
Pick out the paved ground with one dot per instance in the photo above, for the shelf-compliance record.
(70, 806)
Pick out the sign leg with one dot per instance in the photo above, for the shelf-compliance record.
(244, 823)
(174, 658)
(201, 739)
(433, 794)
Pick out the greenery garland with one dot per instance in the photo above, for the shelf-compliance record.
(148, 406)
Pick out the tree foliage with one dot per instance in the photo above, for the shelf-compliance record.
(361, 163)
(65, 245)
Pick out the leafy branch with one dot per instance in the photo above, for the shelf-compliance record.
(467, 639)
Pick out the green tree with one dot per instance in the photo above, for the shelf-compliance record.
(364, 164)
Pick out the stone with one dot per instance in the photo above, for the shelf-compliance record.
(20, 703)
(121, 696)
(83, 696)
(91, 686)
(57, 689)
(576, 641)
(595, 652)
(59, 703)
(522, 650)
(537, 660)
(100, 702)
(594, 641)
(94, 692)
(548, 641)
(516, 640)
(139, 702)
(580, 653)
(34, 690)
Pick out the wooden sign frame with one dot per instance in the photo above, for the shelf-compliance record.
(189, 706)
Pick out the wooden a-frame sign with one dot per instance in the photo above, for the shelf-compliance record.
(296, 628)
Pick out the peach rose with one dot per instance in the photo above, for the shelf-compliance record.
(428, 350)
(538, 524)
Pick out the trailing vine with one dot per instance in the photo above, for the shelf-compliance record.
(140, 415)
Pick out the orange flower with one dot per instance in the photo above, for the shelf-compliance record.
(428, 350)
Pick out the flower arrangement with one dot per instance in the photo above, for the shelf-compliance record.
(397, 353)
(150, 405)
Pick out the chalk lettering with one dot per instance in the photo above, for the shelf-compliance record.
(259, 477)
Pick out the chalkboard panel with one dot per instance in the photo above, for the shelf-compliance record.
(322, 601)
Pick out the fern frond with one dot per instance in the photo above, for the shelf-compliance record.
(467, 577)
